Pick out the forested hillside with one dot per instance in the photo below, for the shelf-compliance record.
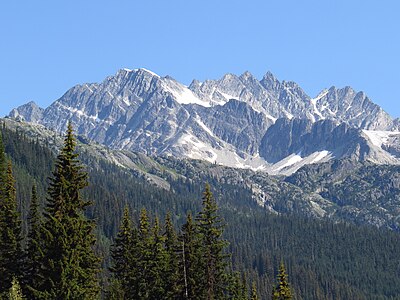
(324, 260)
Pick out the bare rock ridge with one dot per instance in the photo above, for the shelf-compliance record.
(238, 121)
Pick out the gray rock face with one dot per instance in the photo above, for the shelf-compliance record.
(303, 137)
(232, 121)
(29, 112)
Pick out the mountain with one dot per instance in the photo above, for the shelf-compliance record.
(360, 192)
(237, 121)
(29, 112)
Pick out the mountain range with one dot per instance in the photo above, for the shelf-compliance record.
(237, 121)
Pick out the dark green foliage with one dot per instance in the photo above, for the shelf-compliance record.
(213, 262)
(3, 167)
(189, 260)
(11, 256)
(121, 250)
(15, 291)
(69, 265)
(282, 291)
(171, 273)
(124, 255)
(34, 246)
(254, 294)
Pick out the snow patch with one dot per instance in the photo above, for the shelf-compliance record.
(202, 125)
(314, 103)
(182, 94)
(150, 72)
(320, 156)
(290, 160)
(378, 138)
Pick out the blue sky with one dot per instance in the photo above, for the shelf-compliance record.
(46, 47)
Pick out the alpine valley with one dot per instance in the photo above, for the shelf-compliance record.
(297, 178)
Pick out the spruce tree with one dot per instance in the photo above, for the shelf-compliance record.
(70, 266)
(210, 228)
(33, 255)
(282, 291)
(11, 256)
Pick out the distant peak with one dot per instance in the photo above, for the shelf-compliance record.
(149, 72)
(140, 70)
(246, 75)
(269, 76)
(228, 76)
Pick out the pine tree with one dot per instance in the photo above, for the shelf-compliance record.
(11, 256)
(282, 291)
(70, 266)
(34, 245)
(210, 228)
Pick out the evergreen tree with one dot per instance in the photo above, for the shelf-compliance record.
(282, 291)
(34, 245)
(210, 228)
(69, 266)
(254, 294)
(3, 168)
(171, 274)
(189, 261)
(237, 287)
(157, 264)
(144, 256)
(121, 249)
(124, 264)
(11, 256)
(15, 292)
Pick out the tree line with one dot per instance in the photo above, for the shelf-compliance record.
(57, 258)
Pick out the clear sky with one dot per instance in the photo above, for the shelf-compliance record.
(46, 47)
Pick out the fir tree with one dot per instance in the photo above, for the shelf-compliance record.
(214, 260)
(171, 274)
(144, 256)
(282, 291)
(254, 294)
(33, 246)
(3, 168)
(189, 261)
(11, 256)
(15, 292)
(124, 263)
(157, 264)
(121, 249)
(70, 266)
(237, 287)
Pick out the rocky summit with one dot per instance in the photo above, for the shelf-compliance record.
(238, 121)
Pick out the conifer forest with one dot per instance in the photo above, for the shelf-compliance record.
(75, 228)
